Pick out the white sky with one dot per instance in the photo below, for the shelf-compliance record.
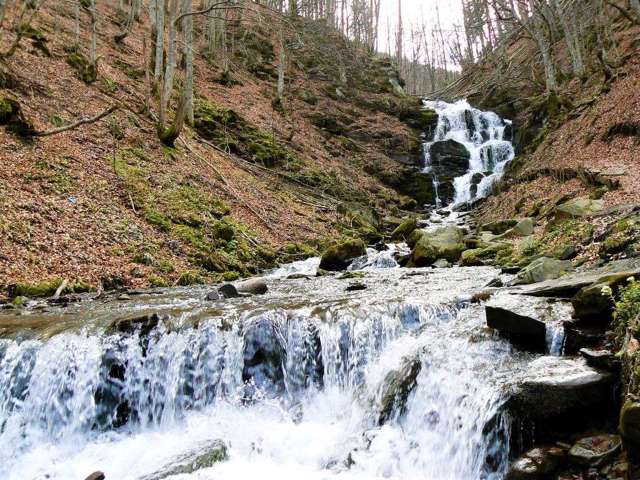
(418, 12)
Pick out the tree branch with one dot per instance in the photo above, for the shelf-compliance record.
(82, 121)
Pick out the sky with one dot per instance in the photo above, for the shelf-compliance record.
(416, 12)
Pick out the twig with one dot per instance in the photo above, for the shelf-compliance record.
(82, 121)
(61, 288)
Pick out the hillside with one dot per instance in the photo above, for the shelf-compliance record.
(250, 184)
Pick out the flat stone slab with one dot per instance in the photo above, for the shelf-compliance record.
(528, 321)
(570, 284)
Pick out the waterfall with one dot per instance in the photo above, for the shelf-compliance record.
(295, 383)
(485, 136)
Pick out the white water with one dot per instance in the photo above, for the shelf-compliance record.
(312, 415)
(490, 151)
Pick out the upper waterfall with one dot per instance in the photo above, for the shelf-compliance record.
(484, 135)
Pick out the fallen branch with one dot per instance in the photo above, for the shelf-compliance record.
(82, 121)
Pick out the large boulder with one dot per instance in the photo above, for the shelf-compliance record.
(559, 395)
(578, 208)
(449, 159)
(359, 215)
(523, 228)
(340, 256)
(542, 269)
(527, 321)
(444, 243)
(630, 425)
(594, 303)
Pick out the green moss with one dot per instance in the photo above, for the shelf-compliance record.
(230, 276)
(47, 288)
(6, 110)
(156, 281)
(85, 70)
(190, 277)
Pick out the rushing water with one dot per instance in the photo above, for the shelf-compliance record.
(483, 134)
(294, 382)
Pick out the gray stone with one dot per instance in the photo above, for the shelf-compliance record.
(444, 243)
(595, 451)
(579, 208)
(252, 286)
(542, 269)
(228, 290)
(524, 320)
(537, 464)
(396, 388)
(441, 263)
(96, 476)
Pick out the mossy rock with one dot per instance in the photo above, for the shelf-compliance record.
(405, 229)
(630, 426)
(542, 269)
(359, 215)
(499, 227)
(85, 70)
(308, 97)
(328, 123)
(444, 243)
(13, 117)
(340, 256)
(47, 288)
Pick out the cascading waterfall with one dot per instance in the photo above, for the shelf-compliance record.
(293, 391)
(486, 137)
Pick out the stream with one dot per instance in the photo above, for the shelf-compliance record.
(392, 375)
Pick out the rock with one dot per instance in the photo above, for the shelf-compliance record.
(205, 457)
(571, 284)
(339, 257)
(96, 476)
(441, 263)
(537, 464)
(595, 303)
(495, 283)
(443, 243)
(142, 325)
(602, 359)
(578, 208)
(405, 229)
(525, 320)
(578, 337)
(449, 159)
(500, 226)
(359, 215)
(595, 451)
(263, 358)
(630, 426)
(228, 290)
(396, 388)
(252, 286)
(523, 228)
(542, 269)
(565, 252)
(354, 287)
(212, 296)
(558, 394)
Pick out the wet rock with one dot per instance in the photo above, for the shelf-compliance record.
(212, 296)
(228, 290)
(204, 457)
(558, 395)
(500, 226)
(595, 451)
(96, 476)
(630, 426)
(578, 337)
(443, 243)
(143, 325)
(405, 229)
(263, 358)
(595, 303)
(524, 320)
(449, 159)
(602, 359)
(537, 464)
(542, 269)
(253, 286)
(396, 388)
(578, 208)
(354, 287)
(339, 257)
(441, 263)
(495, 283)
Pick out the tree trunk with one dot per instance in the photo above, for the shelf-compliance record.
(187, 31)
(170, 67)
(281, 69)
(159, 40)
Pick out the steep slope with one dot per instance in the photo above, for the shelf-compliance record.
(251, 183)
